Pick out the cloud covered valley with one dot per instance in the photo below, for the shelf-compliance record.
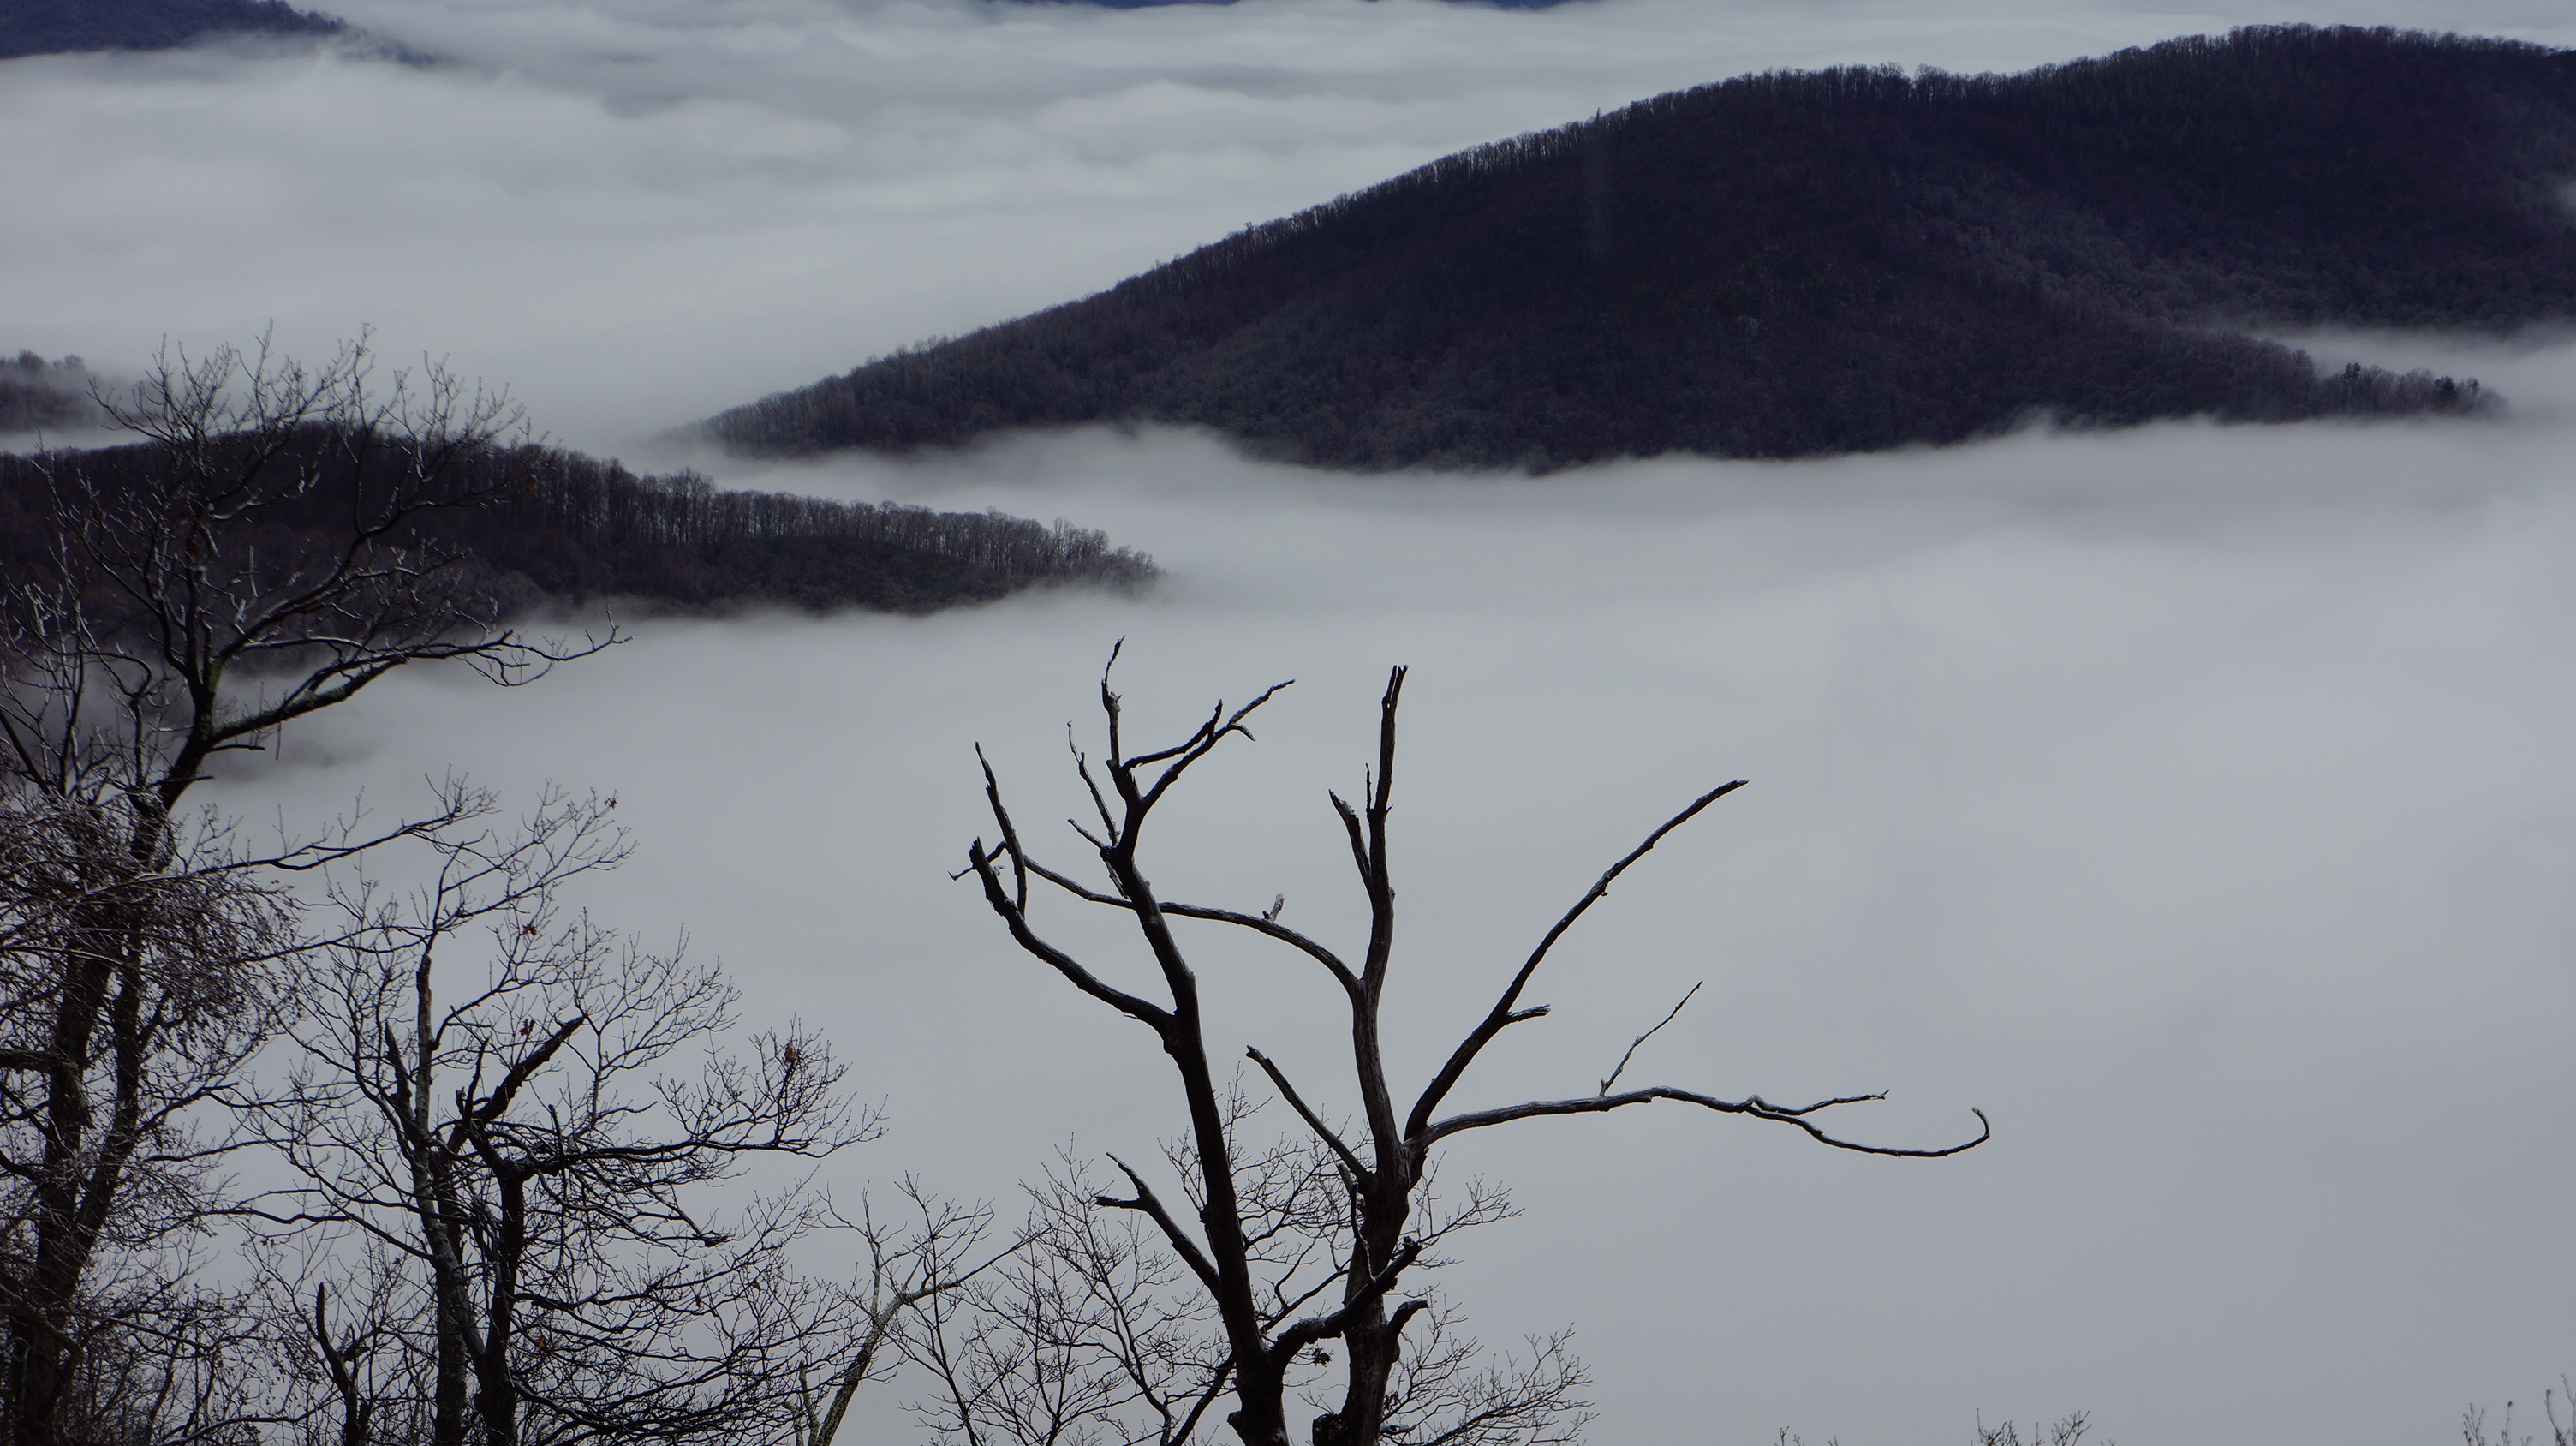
(2197, 801)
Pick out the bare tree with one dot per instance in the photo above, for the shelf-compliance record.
(1446, 1392)
(273, 536)
(2068, 1431)
(907, 1270)
(258, 559)
(1095, 1333)
(1381, 1169)
(491, 1095)
(350, 1364)
(133, 991)
(2473, 1422)
(1078, 1338)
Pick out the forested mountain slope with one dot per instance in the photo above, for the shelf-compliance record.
(43, 27)
(1787, 264)
(549, 529)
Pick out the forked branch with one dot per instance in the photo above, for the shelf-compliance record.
(1151, 1206)
(1260, 1254)
(1505, 1012)
(1323, 1132)
(980, 862)
(1360, 1304)
(1122, 770)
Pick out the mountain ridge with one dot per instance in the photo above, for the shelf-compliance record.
(1796, 263)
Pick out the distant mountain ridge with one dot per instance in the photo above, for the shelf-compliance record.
(46, 27)
(1788, 264)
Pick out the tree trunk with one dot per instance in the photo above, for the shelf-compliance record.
(76, 1181)
(36, 1365)
(1261, 1414)
(448, 1396)
(496, 1395)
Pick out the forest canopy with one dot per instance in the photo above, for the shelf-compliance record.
(1796, 263)
(46, 27)
(575, 530)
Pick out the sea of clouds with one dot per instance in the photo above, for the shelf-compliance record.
(2198, 801)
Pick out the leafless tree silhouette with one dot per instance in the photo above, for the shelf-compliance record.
(1377, 1176)
(494, 1094)
(186, 621)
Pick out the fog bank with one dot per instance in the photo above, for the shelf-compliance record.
(2196, 801)
(642, 212)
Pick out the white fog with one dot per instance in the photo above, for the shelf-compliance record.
(2199, 802)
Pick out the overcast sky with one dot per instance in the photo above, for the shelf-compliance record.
(2199, 802)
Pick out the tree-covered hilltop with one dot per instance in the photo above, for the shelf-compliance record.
(45, 27)
(572, 530)
(1787, 264)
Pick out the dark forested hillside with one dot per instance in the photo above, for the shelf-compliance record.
(1787, 264)
(43, 27)
(575, 530)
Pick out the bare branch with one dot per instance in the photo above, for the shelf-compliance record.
(1360, 1302)
(1151, 1205)
(1753, 1105)
(1210, 734)
(1669, 1016)
(981, 862)
(1323, 1132)
(1268, 925)
(1503, 1013)
(1100, 805)
(1010, 835)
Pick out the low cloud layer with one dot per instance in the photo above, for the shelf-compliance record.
(2195, 800)
(642, 212)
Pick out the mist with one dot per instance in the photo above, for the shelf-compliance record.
(2195, 800)
(640, 212)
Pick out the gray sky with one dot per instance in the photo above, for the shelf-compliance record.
(2197, 801)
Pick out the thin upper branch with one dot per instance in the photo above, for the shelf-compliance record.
(1381, 889)
(981, 862)
(1271, 927)
(1324, 1132)
(1199, 745)
(1010, 834)
(1669, 1016)
(1151, 1205)
(1504, 1011)
(1266, 924)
